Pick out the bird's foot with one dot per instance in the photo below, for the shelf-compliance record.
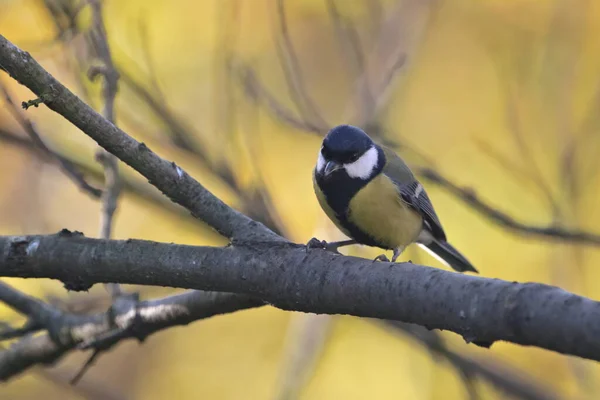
(315, 243)
(333, 247)
(382, 257)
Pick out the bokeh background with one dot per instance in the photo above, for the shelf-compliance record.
(500, 97)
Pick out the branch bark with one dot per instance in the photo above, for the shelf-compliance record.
(70, 331)
(289, 277)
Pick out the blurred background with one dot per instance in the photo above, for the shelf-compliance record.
(500, 99)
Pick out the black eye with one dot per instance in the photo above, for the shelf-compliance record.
(354, 157)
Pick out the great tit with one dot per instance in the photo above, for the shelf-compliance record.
(373, 197)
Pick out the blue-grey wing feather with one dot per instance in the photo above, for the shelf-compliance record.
(412, 192)
(415, 196)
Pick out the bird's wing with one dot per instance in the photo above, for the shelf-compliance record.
(412, 192)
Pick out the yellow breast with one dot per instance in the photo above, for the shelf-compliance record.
(378, 210)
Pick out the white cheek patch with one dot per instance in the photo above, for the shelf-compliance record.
(320, 162)
(364, 166)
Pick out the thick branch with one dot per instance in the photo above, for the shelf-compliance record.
(171, 179)
(290, 277)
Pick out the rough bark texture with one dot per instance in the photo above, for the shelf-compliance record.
(290, 277)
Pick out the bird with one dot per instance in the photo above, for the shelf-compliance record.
(374, 198)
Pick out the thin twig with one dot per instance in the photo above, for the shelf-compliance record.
(257, 205)
(90, 389)
(68, 168)
(348, 38)
(69, 332)
(180, 134)
(470, 198)
(534, 172)
(306, 337)
(112, 182)
(11, 333)
(85, 367)
(139, 189)
(257, 92)
(505, 378)
(293, 74)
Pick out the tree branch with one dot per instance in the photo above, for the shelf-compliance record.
(171, 179)
(69, 169)
(110, 163)
(470, 198)
(291, 278)
(507, 379)
(72, 331)
(257, 203)
(135, 187)
(292, 71)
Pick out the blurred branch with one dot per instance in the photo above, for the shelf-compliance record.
(112, 181)
(255, 90)
(141, 190)
(293, 73)
(306, 337)
(348, 38)
(14, 139)
(470, 198)
(67, 332)
(505, 378)
(180, 135)
(89, 390)
(533, 171)
(258, 205)
(388, 53)
(69, 169)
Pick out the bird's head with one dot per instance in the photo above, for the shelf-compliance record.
(349, 150)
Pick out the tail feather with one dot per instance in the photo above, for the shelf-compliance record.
(448, 255)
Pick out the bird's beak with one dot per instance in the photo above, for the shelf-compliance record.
(331, 167)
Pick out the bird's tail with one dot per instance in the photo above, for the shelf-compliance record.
(448, 255)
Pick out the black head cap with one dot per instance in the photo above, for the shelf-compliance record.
(345, 143)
